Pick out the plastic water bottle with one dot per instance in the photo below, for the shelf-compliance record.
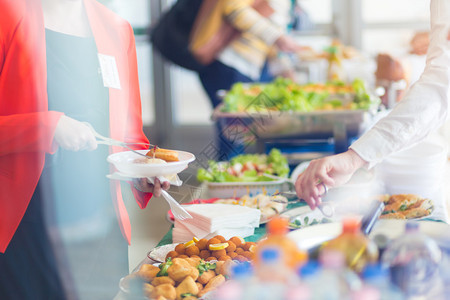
(240, 287)
(272, 274)
(413, 260)
(334, 281)
(358, 249)
(378, 278)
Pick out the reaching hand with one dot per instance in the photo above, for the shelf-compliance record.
(332, 171)
(73, 135)
(287, 44)
(144, 185)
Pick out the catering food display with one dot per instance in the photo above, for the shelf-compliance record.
(284, 95)
(216, 248)
(269, 205)
(177, 278)
(246, 168)
(406, 206)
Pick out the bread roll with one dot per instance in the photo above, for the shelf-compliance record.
(165, 154)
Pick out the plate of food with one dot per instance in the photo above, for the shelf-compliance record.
(187, 278)
(406, 206)
(162, 163)
(245, 174)
(269, 205)
(216, 248)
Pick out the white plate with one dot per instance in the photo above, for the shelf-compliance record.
(125, 163)
(309, 237)
(158, 254)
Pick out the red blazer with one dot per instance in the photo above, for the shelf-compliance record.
(26, 125)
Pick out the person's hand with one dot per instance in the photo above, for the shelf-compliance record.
(330, 171)
(73, 135)
(145, 186)
(287, 44)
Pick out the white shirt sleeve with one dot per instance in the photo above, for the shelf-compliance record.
(424, 107)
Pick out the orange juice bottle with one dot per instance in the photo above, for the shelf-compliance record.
(277, 229)
(358, 249)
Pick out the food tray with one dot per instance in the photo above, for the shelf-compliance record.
(281, 124)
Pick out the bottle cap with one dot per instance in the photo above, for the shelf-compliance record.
(241, 270)
(278, 226)
(373, 271)
(309, 269)
(412, 226)
(351, 225)
(270, 255)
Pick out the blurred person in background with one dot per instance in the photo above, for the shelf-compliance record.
(245, 58)
(63, 63)
(422, 110)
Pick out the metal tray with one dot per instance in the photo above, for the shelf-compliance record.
(278, 124)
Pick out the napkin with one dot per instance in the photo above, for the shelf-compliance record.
(212, 217)
(209, 220)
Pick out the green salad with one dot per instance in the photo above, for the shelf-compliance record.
(246, 168)
(284, 95)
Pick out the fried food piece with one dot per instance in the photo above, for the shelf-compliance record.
(166, 290)
(224, 268)
(172, 254)
(204, 254)
(192, 250)
(199, 285)
(249, 255)
(393, 216)
(163, 280)
(194, 273)
(187, 286)
(239, 251)
(193, 260)
(206, 277)
(220, 238)
(224, 258)
(415, 213)
(218, 268)
(238, 241)
(180, 248)
(241, 258)
(231, 247)
(212, 241)
(164, 154)
(215, 281)
(147, 272)
(211, 258)
(148, 289)
(248, 245)
(218, 253)
(202, 244)
(179, 270)
(190, 298)
(212, 284)
(232, 254)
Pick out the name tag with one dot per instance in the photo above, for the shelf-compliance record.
(110, 73)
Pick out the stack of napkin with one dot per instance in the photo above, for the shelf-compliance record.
(209, 220)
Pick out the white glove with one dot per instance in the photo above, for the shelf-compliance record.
(73, 135)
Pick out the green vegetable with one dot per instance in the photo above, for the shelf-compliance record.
(186, 295)
(388, 212)
(284, 95)
(205, 266)
(164, 266)
(273, 164)
(403, 207)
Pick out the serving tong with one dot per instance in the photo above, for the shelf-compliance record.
(103, 140)
(178, 211)
(326, 209)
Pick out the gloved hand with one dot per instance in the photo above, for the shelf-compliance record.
(73, 135)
